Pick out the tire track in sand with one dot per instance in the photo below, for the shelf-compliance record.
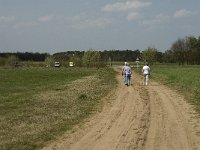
(125, 126)
(170, 123)
(121, 125)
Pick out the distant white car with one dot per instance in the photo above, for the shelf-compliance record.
(71, 64)
(57, 64)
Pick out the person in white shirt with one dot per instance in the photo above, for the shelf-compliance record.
(123, 71)
(126, 71)
(146, 72)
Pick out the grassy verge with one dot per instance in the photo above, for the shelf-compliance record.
(183, 78)
(39, 104)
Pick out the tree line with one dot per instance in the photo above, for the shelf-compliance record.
(182, 51)
(27, 56)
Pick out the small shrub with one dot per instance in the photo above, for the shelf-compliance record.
(12, 61)
(2, 61)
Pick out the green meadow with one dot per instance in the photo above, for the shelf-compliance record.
(185, 79)
(39, 104)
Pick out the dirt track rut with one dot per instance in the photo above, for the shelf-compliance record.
(139, 118)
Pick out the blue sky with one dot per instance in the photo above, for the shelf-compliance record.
(60, 25)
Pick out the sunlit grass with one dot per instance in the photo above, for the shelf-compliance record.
(184, 78)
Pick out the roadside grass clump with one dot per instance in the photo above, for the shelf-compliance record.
(39, 104)
(183, 78)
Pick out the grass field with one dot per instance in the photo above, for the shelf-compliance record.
(39, 104)
(185, 79)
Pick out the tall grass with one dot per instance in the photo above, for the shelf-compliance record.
(184, 78)
(39, 104)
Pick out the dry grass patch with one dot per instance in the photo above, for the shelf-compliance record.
(50, 113)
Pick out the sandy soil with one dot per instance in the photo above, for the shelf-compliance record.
(138, 117)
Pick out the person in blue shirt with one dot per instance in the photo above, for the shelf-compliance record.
(126, 72)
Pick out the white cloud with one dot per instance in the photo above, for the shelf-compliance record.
(183, 13)
(33, 23)
(6, 19)
(25, 24)
(159, 19)
(91, 23)
(16, 23)
(46, 18)
(133, 16)
(80, 21)
(125, 6)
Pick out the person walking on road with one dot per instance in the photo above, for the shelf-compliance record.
(123, 71)
(146, 72)
(126, 72)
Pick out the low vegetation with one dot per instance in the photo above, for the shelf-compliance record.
(39, 104)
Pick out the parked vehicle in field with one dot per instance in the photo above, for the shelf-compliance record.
(57, 64)
(71, 64)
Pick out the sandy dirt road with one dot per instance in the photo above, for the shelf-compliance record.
(139, 117)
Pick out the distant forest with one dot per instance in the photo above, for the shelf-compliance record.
(106, 55)
(26, 56)
(183, 51)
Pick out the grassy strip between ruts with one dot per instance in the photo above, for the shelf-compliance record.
(37, 105)
(185, 79)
